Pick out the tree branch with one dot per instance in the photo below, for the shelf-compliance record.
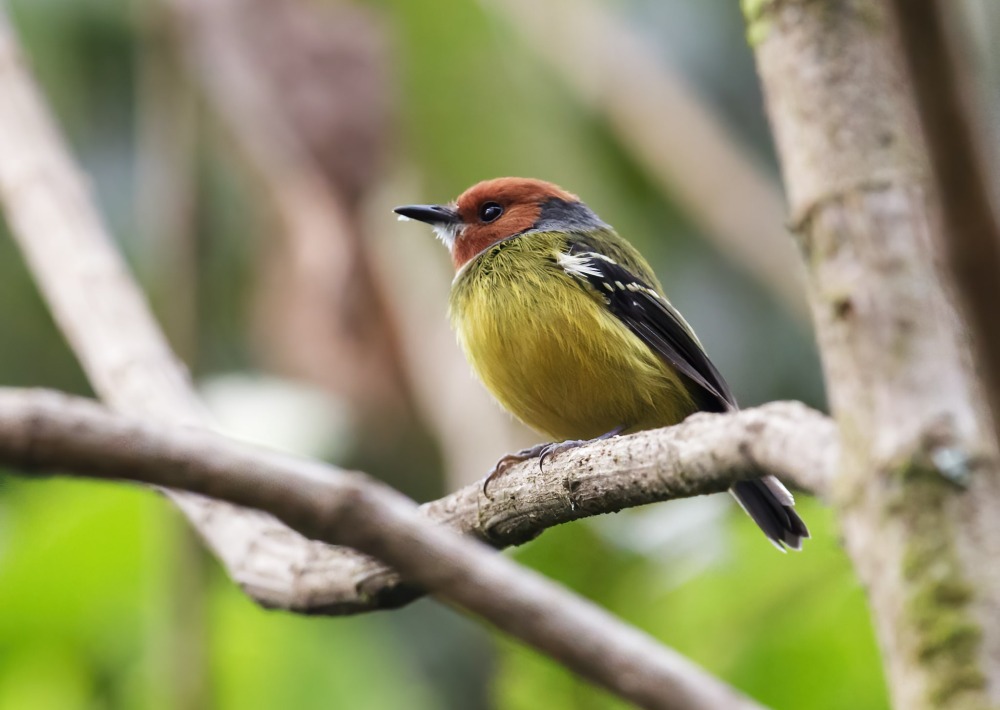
(703, 455)
(48, 432)
(102, 313)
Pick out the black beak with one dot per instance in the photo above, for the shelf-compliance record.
(431, 214)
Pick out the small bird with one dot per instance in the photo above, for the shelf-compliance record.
(567, 326)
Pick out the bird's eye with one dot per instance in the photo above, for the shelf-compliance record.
(490, 211)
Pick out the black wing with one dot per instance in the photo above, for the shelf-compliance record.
(651, 317)
(658, 324)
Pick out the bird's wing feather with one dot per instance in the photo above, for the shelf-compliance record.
(611, 269)
(648, 314)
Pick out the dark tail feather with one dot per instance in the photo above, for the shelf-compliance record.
(771, 506)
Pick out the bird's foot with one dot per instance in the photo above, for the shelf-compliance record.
(542, 452)
(508, 460)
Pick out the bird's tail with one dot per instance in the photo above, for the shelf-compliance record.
(771, 506)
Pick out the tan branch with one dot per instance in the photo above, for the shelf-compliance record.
(50, 432)
(703, 455)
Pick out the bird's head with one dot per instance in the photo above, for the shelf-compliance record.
(493, 210)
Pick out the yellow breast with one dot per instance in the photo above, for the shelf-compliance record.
(551, 352)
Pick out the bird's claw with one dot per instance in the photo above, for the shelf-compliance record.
(541, 451)
(508, 460)
(557, 448)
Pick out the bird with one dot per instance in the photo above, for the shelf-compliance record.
(567, 326)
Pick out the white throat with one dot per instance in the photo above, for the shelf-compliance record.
(447, 233)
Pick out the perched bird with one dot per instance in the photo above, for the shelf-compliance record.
(567, 326)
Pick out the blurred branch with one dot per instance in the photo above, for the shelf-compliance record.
(166, 207)
(324, 314)
(105, 318)
(167, 183)
(670, 131)
(703, 455)
(963, 180)
(47, 431)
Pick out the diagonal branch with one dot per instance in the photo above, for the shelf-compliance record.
(103, 314)
(703, 455)
(49, 432)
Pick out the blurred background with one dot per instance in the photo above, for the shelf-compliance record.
(246, 155)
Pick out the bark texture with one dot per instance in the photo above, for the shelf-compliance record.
(48, 431)
(705, 454)
(918, 491)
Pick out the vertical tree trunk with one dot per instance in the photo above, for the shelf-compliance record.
(919, 495)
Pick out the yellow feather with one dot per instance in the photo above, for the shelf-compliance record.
(551, 352)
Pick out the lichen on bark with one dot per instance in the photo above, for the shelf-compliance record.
(938, 596)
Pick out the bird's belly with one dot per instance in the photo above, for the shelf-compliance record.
(572, 371)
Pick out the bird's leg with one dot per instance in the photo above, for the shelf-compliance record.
(542, 451)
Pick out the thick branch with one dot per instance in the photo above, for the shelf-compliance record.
(50, 432)
(705, 454)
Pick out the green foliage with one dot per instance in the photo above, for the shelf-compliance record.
(948, 640)
(790, 630)
(83, 587)
(269, 660)
(71, 570)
